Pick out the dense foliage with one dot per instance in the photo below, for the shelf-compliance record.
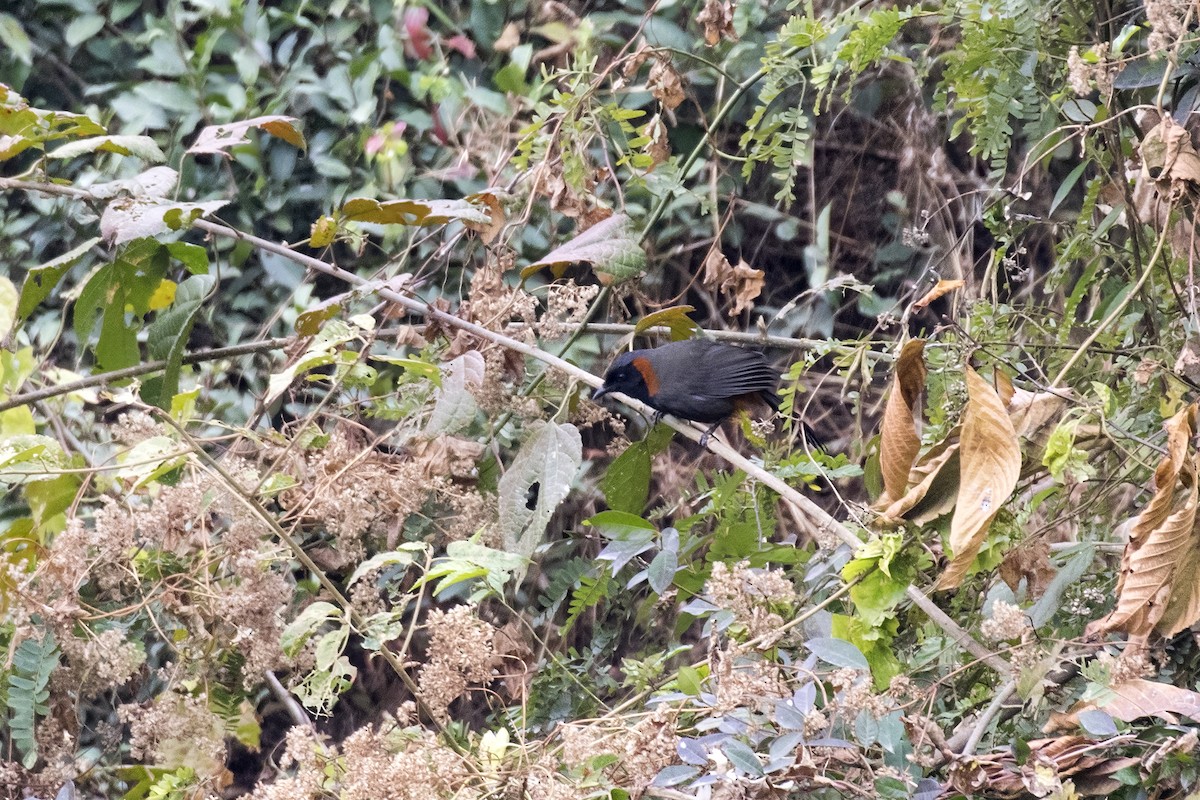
(307, 497)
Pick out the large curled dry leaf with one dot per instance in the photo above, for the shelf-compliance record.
(990, 464)
(942, 287)
(1162, 540)
(899, 441)
(932, 486)
(1133, 699)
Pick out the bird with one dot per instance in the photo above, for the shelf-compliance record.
(696, 379)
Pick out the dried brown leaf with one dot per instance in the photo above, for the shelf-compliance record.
(933, 486)
(747, 285)
(990, 463)
(899, 441)
(1162, 537)
(451, 456)
(943, 287)
(1168, 154)
(665, 84)
(717, 19)
(1029, 561)
(743, 282)
(489, 230)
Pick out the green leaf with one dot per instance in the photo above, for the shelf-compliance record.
(320, 353)
(168, 335)
(41, 280)
(837, 652)
(591, 591)
(662, 569)
(149, 460)
(49, 498)
(626, 483)
(141, 146)
(454, 405)
(620, 524)
(468, 560)
(193, 257)
(743, 758)
(675, 319)
(32, 664)
(610, 247)
(83, 28)
(539, 478)
(308, 622)
(402, 556)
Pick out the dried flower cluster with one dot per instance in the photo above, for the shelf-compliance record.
(854, 694)
(742, 679)
(566, 304)
(391, 763)
(177, 730)
(1008, 622)
(98, 663)
(461, 653)
(1166, 23)
(755, 596)
(649, 747)
(353, 490)
(1084, 76)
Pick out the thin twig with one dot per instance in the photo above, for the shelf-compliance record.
(981, 725)
(141, 369)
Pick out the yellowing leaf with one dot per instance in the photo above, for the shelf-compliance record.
(8, 306)
(898, 441)
(990, 463)
(323, 232)
(219, 138)
(415, 212)
(675, 318)
(163, 295)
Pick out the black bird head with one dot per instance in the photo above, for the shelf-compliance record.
(628, 376)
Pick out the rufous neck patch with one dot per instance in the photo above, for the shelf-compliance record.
(642, 365)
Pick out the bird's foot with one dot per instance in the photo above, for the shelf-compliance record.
(704, 437)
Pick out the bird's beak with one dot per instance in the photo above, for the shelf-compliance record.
(603, 390)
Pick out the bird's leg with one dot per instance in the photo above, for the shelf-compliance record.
(656, 417)
(704, 437)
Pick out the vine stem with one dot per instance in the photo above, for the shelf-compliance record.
(1120, 307)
